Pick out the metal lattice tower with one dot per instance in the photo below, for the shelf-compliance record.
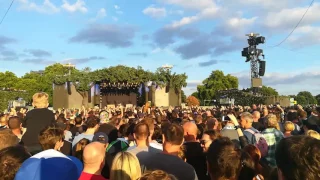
(254, 64)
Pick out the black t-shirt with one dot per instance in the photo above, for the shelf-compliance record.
(196, 158)
(35, 121)
(74, 130)
(66, 149)
(172, 165)
(257, 125)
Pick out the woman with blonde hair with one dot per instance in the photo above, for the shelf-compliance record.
(125, 166)
(313, 134)
(35, 121)
(288, 128)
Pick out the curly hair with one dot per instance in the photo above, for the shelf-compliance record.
(49, 136)
(11, 159)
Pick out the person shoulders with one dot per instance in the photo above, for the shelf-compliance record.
(168, 159)
(254, 130)
(165, 162)
(81, 136)
(156, 145)
(87, 176)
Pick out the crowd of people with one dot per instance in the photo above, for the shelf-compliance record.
(151, 143)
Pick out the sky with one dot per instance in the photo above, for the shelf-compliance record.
(195, 36)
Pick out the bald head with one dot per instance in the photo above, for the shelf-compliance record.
(190, 131)
(256, 116)
(93, 154)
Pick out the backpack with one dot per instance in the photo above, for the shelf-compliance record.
(261, 142)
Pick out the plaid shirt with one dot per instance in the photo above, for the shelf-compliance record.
(273, 137)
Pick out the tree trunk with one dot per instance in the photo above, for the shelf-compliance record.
(153, 94)
(84, 99)
(179, 96)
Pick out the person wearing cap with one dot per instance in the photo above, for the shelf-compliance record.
(102, 138)
(50, 165)
(94, 160)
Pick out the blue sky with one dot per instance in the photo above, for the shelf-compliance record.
(195, 36)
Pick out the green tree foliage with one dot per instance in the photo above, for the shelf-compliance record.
(83, 81)
(268, 91)
(318, 98)
(7, 79)
(183, 97)
(301, 100)
(6, 96)
(174, 81)
(215, 82)
(195, 94)
(306, 98)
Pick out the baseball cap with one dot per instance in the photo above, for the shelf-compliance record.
(50, 165)
(100, 137)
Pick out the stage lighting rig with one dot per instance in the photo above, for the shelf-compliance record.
(252, 55)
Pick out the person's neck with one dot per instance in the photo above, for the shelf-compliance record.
(16, 132)
(90, 131)
(78, 125)
(287, 132)
(90, 170)
(142, 143)
(255, 120)
(248, 127)
(171, 149)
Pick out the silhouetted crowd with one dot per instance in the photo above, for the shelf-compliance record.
(153, 143)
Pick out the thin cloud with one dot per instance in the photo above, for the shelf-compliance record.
(155, 12)
(212, 62)
(138, 54)
(113, 36)
(38, 52)
(47, 7)
(79, 5)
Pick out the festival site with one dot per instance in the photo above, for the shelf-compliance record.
(159, 90)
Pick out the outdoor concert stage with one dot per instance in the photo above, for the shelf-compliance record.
(104, 93)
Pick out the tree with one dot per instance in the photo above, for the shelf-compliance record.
(195, 94)
(83, 81)
(215, 82)
(310, 99)
(183, 96)
(301, 100)
(268, 91)
(318, 98)
(172, 80)
(193, 101)
(7, 79)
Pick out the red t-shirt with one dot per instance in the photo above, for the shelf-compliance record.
(86, 176)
